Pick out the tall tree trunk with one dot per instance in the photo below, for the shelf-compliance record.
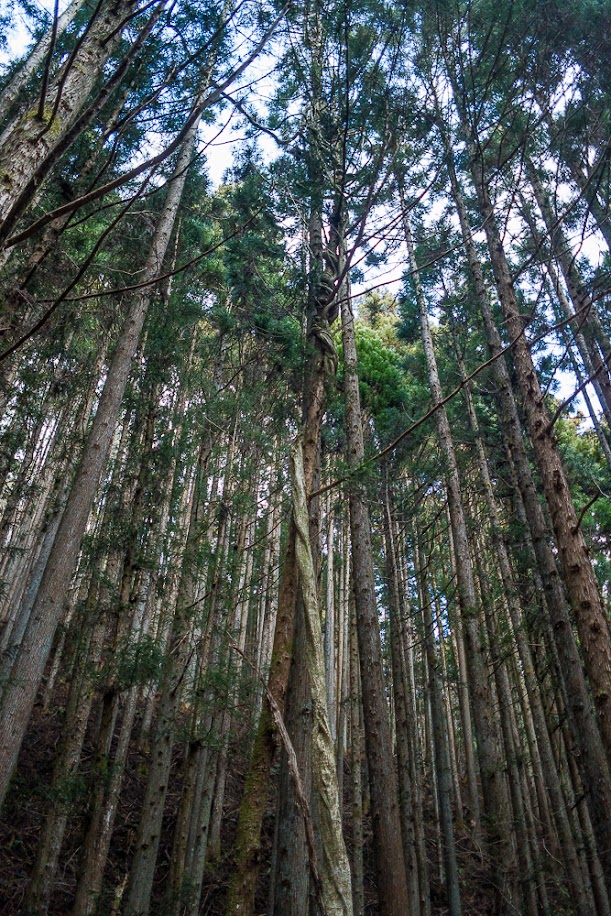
(335, 871)
(513, 752)
(567, 847)
(20, 694)
(330, 626)
(390, 863)
(78, 707)
(149, 828)
(592, 759)
(290, 889)
(488, 743)
(356, 742)
(321, 364)
(35, 58)
(403, 721)
(440, 744)
(579, 576)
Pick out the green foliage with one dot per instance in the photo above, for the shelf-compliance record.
(590, 481)
(139, 663)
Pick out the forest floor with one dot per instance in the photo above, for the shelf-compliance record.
(21, 826)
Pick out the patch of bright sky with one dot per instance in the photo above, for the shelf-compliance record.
(257, 87)
(18, 36)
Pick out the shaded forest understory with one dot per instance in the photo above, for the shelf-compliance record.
(305, 458)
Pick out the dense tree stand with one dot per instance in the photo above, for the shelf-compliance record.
(305, 458)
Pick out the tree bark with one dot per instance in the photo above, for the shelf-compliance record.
(32, 139)
(19, 695)
(335, 871)
(35, 58)
(567, 847)
(496, 801)
(582, 587)
(592, 759)
(441, 748)
(390, 864)
(403, 721)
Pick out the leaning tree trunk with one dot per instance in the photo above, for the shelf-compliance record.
(35, 58)
(33, 141)
(579, 576)
(586, 735)
(20, 694)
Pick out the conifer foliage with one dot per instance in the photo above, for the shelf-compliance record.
(305, 450)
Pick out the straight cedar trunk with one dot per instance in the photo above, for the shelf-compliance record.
(187, 878)
(254, 802)
(462, 687)
(195, 814)
(20, 693)
(194, 818)
(131, 621)
(513, 752)
(170, 689)
(440, 746)
(356, 744)
(330, 625)
(578, 573)
(579, 891)
(393, 891)
(449, 714)
(15, 537)
(240, 601)
(403, 720)
(22, 577)
(562, 710)
(290, 885)
(179, 648)
(343, 628)
(89, 635)
(269, 599)
(321, 364)
(80, 699)
(496, 801)
(104, 803)
(584, 729)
